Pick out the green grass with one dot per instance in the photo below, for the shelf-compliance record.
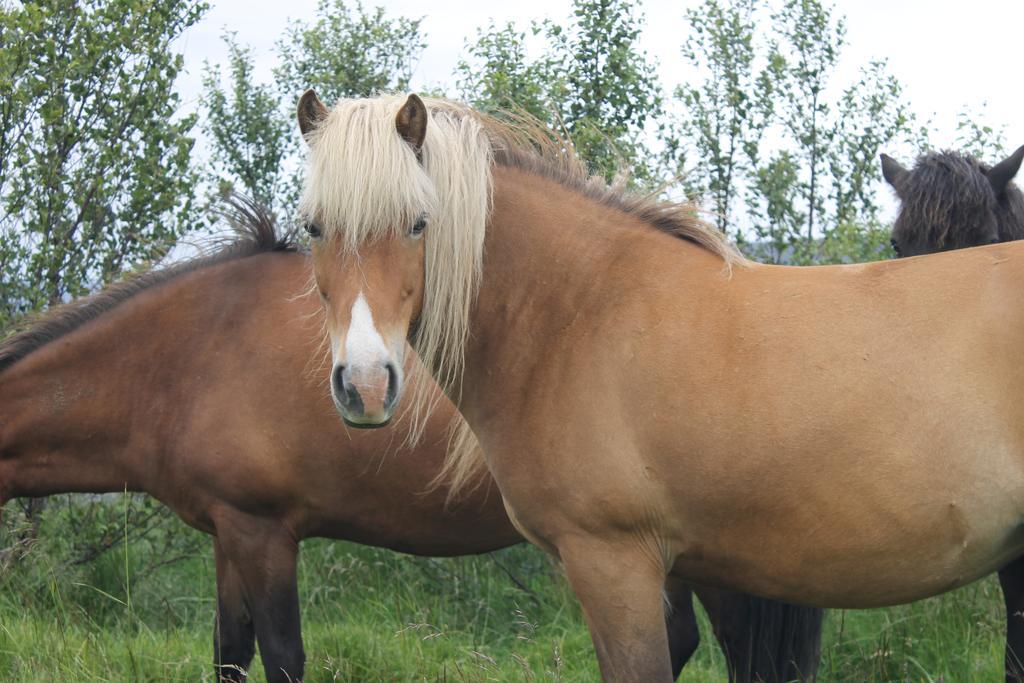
(372, 615)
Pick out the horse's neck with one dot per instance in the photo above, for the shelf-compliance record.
(555, 262)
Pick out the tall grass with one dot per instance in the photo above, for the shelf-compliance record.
(372, 615)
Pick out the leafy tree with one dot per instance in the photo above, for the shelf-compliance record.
(776, 217)
(344, 52)
(765, 127)
(812, 40)
(592, 81)
(94, 156)
(835, 141)
(726, 114)
(978, 138)
(498, 76)
(250, 133)
(611, 89)
(871, 114)
(348, 52)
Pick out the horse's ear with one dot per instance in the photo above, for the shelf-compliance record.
(411, 122)
(893, 172)
(311, 112)
(1000, 175)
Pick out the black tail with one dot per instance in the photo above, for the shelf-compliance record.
(765, 640)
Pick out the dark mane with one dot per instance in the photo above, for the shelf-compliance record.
(523, 142)
(948, 203)
(254, 233)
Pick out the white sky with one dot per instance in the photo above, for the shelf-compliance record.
(947, 53)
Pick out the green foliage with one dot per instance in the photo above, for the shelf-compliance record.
(724, 116)
(94, 155)
(346, 51)
(592, 81)
(611, 90)
(763, 124)
(870, 115)
(497, 76)
(978, 138)
(835, 142)
(250, 134)
(811, 41)
(854, 242)
(773, 188)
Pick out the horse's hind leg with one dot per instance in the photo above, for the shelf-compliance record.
(764, 640)
(234, 639)
(265, 554)
(681, 622)
(1011, 578)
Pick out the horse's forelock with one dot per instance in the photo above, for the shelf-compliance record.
(363, 181)
(945, 197)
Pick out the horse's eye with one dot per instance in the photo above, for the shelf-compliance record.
(312, 229)
(895, 246)
(419, 226)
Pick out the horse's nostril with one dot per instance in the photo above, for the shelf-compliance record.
(338, 380)
(392, 391)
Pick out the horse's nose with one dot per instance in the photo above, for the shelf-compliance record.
(366, 397)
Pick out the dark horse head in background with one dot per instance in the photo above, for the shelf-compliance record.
(951, 201)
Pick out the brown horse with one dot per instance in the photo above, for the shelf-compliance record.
(649, 403)
(952, 201)
(181, 383)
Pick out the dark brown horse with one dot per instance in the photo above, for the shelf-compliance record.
(950, 201)
(181, 383)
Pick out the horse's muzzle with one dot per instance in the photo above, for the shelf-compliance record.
(365, 397)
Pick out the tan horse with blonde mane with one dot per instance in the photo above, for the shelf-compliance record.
(649, 403)
(181, 382)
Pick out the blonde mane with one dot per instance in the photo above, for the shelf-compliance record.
(364, 182)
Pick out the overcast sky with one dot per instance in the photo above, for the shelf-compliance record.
(947, 54)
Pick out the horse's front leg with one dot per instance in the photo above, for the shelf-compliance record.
(1011, 578)
(265, 555)
(234, 639)
(620, 587)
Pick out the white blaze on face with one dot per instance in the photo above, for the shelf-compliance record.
(369, 363)
(364, 347)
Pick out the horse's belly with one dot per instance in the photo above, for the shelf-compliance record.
(879, 545)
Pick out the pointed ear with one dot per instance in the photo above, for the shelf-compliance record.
(411, 122)
(893, 172)
(1000, 175)
(311, 112)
